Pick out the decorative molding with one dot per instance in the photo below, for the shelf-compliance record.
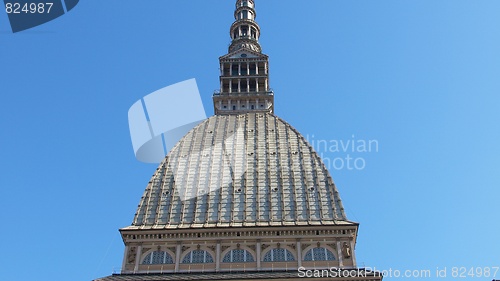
(333, 246)
(228, 235)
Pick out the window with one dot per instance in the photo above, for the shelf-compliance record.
(319, 254)
(278, 255)
(198, 256)
(254, 33)
(253, 69)
(158, 257)
(244, 31)
(253, 86)
(235, 71)
(238, 256)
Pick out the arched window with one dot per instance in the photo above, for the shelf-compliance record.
(158, 257)
(238, 256)
(319, 254)
(279, 254)
(198, 256)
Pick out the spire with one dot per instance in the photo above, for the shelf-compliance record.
(244, 71)
(245, 31)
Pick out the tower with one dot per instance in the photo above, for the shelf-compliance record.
(242, 196)
(244, 71)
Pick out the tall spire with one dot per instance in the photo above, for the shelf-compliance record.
(244, 71)
(245, 31)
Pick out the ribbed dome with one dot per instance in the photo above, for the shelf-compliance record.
(252, 169)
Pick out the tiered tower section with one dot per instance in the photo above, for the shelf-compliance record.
(244, 71)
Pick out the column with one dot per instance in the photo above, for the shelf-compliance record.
(217, 256)
(239, 68)
(125, 258)
(353, 256)
(248, 85)
(257, 84)
(248, 68)
(265, 85)
(231, 69)
(257, 68)
(258, 254)
(239, 85)
(299, 253)
(138, 258)
(339, 254)
(231, 84)
(222, 69)
(177, 256)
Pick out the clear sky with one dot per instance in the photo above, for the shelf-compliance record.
(420, 78)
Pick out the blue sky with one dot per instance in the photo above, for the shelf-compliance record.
(419, 77)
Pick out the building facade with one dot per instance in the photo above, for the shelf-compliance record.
(242, 196)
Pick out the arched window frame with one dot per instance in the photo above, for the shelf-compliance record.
(150, 255)
(287, 249)
(208, 255)
(311, 248)
(248, 250)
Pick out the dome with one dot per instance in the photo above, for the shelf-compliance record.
(251, 169)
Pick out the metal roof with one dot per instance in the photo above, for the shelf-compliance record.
(353, 274)
(201, 276)
(251, 169)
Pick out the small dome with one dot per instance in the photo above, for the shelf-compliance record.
(252, 169)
